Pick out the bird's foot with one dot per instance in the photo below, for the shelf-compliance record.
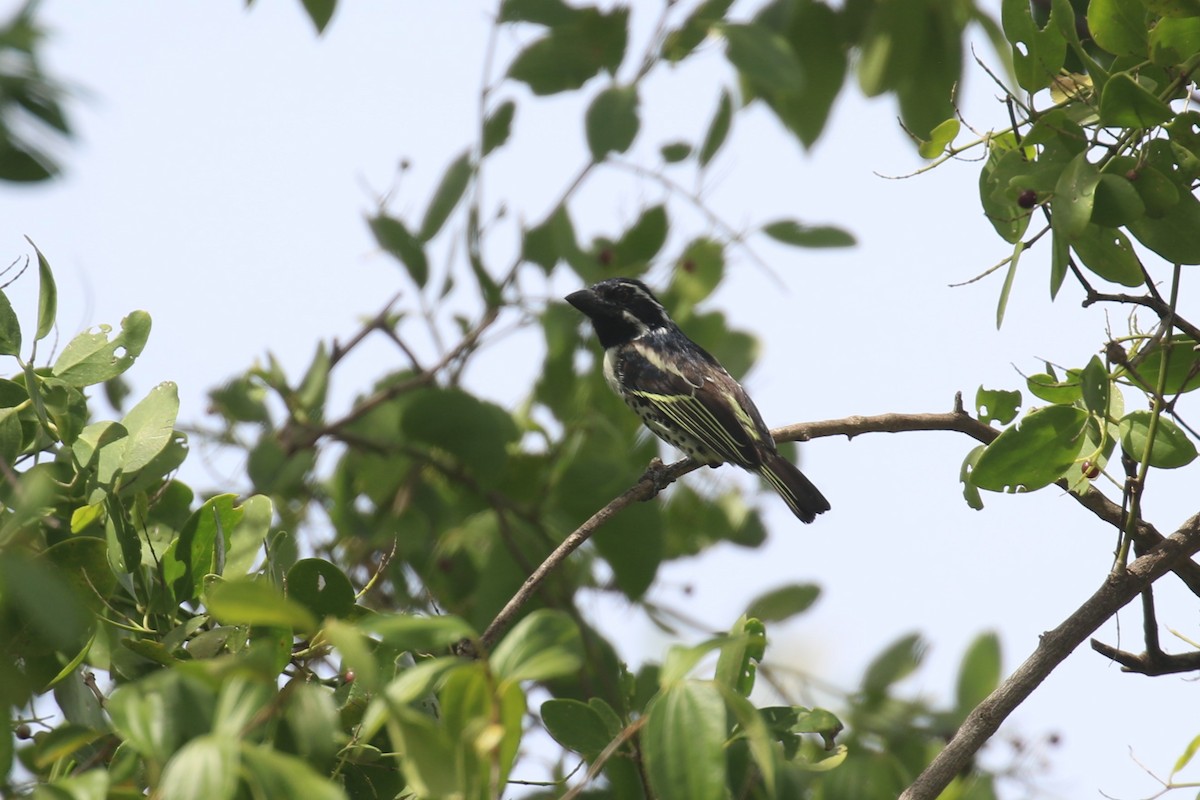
(658, 475)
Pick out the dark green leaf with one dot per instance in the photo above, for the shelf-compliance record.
(1176, 235)
(476, 432)
(675, 152)
(498, 126)
(395, 238)
(690, 766)
(999, 202)
(680, 43)
(1033, 454)
(576, 726)
(541, 12)
(611, 121)
(791, 232)
(449, 192)
(47, 295)
(1117, 202)
(320, 12)
(321, 587)
(784, 602)
(1038, 53)
(1095, 387)
(573, 51)
(10, 328)
(817, 35)
(20, 164)
(639, 244)
(1074, 197)
(996, 405)
(1127, 104)
(1119, 26)
(91, 358)
(1172, 448)
(718, 129)
(764, 58)
(1108, 253)
(634, 549)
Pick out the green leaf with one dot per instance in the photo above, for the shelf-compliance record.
(996, 405)
(1052, 390)
(680, 43)
(779, 604)
(10, 328)
(150, 425)
(686, 766)
(611, 121)
(321, 587)
(1034, 453)
(970, 490)
(979, 673)
(718, 129)
(543, 645)
(641, 243)
(474, 431)
(763, 57)
(1172, 448)
(449, 192)
(1185, 757)
(1183, 365)
(576, 726)
(1108, 253)
(1038, 53)
(1095, 387)
(207, 767)
(1009, 276)
(940, 138)
(1119, 26)
(698, 270)
(999, 202)
(256, 603)
(573, 51)
(753, 728)
(541, 12)
(1176, 234)
(320, 12)
(406, 632)
(739, 655)
(675, 152)
(47, 295)
(791, 232)
(1074, 197)
(91, 358)
(899, 660)
(498, 126)
(1117, 202)
(394, 237)
(1125, 103)
(271, 773)
(1173, 40)
(195, 553)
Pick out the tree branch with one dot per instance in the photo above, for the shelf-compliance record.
(1118, 589)
(658, 477)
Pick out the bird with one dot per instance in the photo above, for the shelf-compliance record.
(683, 394)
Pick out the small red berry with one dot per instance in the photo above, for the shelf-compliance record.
(1090, 470)
(1027, 199)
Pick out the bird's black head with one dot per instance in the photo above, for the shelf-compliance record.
(621, 309)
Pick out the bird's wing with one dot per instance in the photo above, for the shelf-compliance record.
(704, 401)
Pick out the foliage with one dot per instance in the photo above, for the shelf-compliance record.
(381, 665)
(31, 103)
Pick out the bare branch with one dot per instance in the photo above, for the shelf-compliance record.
(1118, 589)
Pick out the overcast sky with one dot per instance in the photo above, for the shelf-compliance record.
(226, 158)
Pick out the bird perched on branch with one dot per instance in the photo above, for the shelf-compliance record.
(683, 395)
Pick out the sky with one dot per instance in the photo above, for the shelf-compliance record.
(226, 159)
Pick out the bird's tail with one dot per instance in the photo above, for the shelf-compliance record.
(802, 497)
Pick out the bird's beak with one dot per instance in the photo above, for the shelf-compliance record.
(586, 301)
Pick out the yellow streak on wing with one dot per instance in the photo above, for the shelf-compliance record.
(698, 422)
